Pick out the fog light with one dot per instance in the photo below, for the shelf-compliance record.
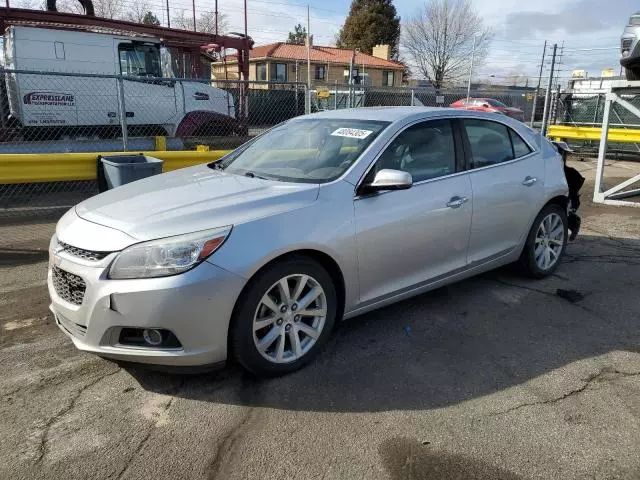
(148, 338)
(152, 336)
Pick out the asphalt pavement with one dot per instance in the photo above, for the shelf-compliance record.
(496, 377)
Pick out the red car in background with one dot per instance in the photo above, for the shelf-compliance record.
(489, 105)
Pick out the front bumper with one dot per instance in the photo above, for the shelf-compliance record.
(196, 306)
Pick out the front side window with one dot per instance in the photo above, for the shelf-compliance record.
(140, 60)
(279, 72)
(490, 142)
(426, 150)
(305, 150)
(261, 72)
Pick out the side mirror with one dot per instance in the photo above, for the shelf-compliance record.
(486, 105)
(388, 179)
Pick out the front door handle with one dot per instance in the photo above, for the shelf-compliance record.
(457, 202)
(529, 181)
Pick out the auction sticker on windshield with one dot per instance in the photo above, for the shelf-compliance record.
(352, 133)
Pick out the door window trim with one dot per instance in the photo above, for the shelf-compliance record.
(459, 154)
(467, 145)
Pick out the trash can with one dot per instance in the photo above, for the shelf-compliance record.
(116, 170)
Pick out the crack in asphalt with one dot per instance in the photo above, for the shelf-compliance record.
(599, 376)
(151, 429)
(613, 259)
(229, 443)
(42, 446)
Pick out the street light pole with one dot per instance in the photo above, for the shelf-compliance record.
(473, 53)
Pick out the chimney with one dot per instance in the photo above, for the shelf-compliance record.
(308, 41)
(382, 51)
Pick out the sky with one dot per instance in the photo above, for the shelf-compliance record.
(587, 31)
(519, 29)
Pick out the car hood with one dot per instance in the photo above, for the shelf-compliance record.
(192, 199)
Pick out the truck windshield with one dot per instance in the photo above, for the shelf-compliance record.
(140, 60)
(315, 150)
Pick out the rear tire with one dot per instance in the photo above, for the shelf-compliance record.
(546, 242)
(275, 309)
(632, 74)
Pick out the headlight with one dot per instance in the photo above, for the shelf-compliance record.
(167, 256)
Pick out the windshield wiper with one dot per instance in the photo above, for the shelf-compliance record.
(216, 165)
(253, 175)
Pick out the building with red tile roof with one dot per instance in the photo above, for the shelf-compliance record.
(285, 62)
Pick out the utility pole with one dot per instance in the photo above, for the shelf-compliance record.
(308, 59)
(473, 53)
(547, 97)
(535, 95)
(168, 17)
(216, 16)
(193, 7)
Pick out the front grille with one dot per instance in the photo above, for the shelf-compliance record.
(626, 43)
(90, 255)
(68, 286)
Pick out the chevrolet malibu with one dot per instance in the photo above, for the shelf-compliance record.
(322, 218)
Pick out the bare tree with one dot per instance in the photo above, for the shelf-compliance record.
(439, 40)
(205, 22)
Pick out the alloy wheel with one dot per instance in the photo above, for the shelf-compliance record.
(289, 318)
(549, 241)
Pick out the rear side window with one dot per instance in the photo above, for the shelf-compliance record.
(490, 142)
(520, 148)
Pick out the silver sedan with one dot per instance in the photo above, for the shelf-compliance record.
(322, 218)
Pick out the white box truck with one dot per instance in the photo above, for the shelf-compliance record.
(65, 103)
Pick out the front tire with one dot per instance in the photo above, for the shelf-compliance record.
(546, 242)
(284, 317)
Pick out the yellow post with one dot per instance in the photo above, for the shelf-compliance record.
(160, 143)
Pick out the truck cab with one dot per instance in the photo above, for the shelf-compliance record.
(630, 48)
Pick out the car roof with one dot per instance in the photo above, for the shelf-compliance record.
(385, 114)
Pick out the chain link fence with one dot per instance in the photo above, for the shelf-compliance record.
(587, 110)
(51, 112)
(338, 96)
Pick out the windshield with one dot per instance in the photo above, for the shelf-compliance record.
(495, 103)
(307, 150)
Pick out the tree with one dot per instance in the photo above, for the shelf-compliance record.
(139, 10)
(370, 23)
(298, 36)
(150, 19)
(439, 40)
(205, 22)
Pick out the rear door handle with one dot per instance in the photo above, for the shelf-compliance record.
(529, 181)
(457, 202)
